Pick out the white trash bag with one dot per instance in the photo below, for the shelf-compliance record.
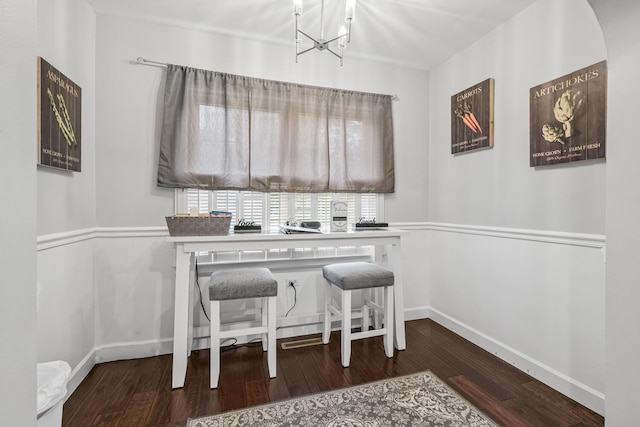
(52, 384)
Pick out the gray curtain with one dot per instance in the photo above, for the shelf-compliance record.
(229, 132)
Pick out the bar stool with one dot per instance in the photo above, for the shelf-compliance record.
(347, 277)
(243, 283)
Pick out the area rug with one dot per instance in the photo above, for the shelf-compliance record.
(414, 400)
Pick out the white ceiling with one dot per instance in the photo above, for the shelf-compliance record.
(415, 33)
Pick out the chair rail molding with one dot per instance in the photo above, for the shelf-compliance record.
(49, 241)
(543, 236)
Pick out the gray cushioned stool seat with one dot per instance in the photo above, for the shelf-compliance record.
(235, 284)
(357, 275)
(255, 282)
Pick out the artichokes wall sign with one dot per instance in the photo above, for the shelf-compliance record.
(565, 110)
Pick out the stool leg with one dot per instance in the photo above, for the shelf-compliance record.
(346, 328)
(365, 312)
(271, 336)
(214, 353)
(388, 320)
(326, 331)
(266, 311)
(377, 323)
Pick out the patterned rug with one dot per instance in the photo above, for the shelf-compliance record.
(414, 400)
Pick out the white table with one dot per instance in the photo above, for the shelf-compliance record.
(186, 247)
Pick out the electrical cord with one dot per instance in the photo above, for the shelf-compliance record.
(200, 293)
(295, 299)
(223, 347)
(233, 345)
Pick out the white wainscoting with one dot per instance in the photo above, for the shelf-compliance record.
(535, 299)
(66, 301)
(459, 275)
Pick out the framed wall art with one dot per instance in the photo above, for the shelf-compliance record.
(59, 119)
(472, 118)
(568, 117)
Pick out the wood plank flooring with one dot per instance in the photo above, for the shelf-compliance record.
(138, 392)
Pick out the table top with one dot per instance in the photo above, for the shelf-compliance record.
(366, 234)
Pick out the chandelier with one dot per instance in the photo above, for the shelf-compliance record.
(320, 43)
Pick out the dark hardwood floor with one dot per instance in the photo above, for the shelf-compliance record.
(138, 392)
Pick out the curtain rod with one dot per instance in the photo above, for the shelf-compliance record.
(142, 61)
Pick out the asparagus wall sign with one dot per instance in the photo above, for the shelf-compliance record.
(59, 115)
(568, 117)
(472, 118)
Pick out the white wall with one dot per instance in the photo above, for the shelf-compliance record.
(528, 238)
(482, 189)
(130, 98)
(66, 39)
(18, 224)
(134, 274)
(516, 263)
(496, 187)
(134, 299)
(619, 20)
(66, 200)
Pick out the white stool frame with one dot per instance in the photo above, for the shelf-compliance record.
(345, 315)
(267, 329)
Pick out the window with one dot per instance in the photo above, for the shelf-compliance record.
(273, 209)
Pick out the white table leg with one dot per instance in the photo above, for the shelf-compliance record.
(398, 297)
(192, 286)
(181, 317)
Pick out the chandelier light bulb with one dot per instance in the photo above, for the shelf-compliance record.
(342, 41)
(297, 7)
(350, 11)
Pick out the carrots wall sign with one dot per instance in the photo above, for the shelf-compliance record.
(568, 117)
(472, 118)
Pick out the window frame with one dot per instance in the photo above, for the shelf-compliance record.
(181, 199)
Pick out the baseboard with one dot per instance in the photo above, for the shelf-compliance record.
(133, 350)
(416, 313)
(577, 391)
(288, 327)
(112, 352)
(306, 325)
(293, 326)
(80, 372)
